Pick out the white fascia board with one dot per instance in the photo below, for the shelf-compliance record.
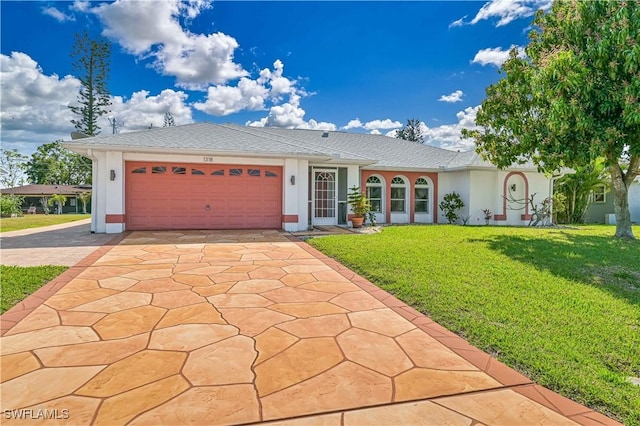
(509, 169)
(347, 161)
(404, 169)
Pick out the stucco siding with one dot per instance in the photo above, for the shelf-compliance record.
(454, 181)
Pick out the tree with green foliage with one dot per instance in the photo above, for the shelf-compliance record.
(59, 200)
(412, 131)
(12, 168)
(91, 61)
(11, 205)
(573, 98)
(450, 205)
(53, 164)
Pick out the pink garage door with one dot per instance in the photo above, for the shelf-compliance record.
(202, 196)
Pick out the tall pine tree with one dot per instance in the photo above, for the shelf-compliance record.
(91, 61)
(412, 131)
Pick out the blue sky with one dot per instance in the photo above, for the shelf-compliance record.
(349, 66)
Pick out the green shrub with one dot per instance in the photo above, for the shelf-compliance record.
(450, 204)
(11, 205)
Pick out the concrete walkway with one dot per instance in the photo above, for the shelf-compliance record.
(65, 244)
(240, 327)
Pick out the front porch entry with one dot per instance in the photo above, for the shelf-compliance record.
(328, 196)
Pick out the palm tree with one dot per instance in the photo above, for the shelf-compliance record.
(577, 188)
(59, 200)
(84, 198)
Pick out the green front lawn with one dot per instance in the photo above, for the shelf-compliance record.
(17, 282)
(37, 220)
(562, 306)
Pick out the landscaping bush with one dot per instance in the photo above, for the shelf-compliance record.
(11, 205)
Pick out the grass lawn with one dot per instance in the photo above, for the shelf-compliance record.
(562, 306)
(17, 282)
(37, 220)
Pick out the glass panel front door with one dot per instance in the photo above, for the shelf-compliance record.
(324, 191)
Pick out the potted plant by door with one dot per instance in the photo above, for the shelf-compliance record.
(360, 206)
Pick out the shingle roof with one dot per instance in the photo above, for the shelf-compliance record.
(204, 137)
(371, 151)
(37, 190)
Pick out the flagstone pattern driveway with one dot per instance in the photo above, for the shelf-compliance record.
(240, 327)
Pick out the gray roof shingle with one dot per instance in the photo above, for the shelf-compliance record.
(372, 151)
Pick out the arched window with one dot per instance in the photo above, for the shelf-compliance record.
(398, 195)
(421, 197)
(374, 193)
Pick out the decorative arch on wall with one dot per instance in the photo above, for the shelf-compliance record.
(505, 190)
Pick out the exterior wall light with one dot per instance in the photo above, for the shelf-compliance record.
(513, 187)
(112, 174)
(293, 179)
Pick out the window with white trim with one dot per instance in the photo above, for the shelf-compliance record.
(599, 194)
(374, 193)
(421, 195)
(398, 195)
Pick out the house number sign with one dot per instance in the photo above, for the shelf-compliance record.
(207, 159)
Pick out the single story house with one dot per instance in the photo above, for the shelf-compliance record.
(600, 209)
(34, 194)
(226, 176)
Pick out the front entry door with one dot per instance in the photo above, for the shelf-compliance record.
(325, 204)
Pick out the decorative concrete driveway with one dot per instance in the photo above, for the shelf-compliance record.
(240, 327)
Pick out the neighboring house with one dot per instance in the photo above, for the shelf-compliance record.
(33, 195)
(208, 176)
(600, 209)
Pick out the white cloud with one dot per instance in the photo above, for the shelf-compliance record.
(252, 95)
(34, 106)
(382, 124)
(225, 100)
(81, 6)
(507, 11)
(454, 97)
(142, 111)
(353, 124)
(495, 56)
(57, 15)
(151, 29)
(372, 125)
(449, 136)
(458, 23)
(290, 116)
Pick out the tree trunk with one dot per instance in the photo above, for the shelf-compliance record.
(621, 203)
